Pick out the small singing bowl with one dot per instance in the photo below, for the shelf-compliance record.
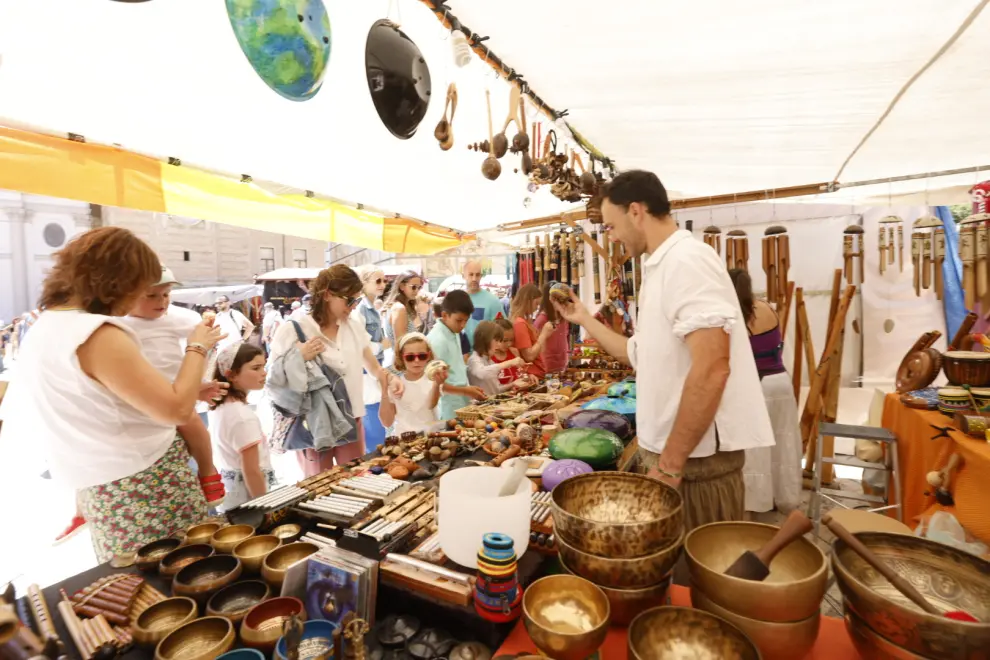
(626, 604)
(617, 514)
(243, 654)
(236, 600)
(200, 533)
(279, 560)
(202, 639)
(635, 573)
(948, 578)
(666, 633)
(566, 616)
(252, 551)
(792, 592)
(181, 557)
(871, 644)
(289, 533)
(150, 555)
(203, 578)
(226, 538)
(156, 622)
(262, 626)
(776, 641)
(316, 643)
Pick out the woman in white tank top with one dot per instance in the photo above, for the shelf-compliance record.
(104, 414)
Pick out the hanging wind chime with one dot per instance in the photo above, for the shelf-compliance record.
(852, 249)
(974, 250)
(926, 235)
(737, 250)
(713, 237)
(890, 227)
(776, 262)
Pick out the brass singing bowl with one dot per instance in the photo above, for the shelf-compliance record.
(626, 604)
(567, 617)
(617, 514)
(202, 639)
(792, 592)
(620, 573)
(776, 641)
(203, 578)
(671, 633)
(288, 533)
(235, 600)
(262, 626)
(150, 555)
(226, 538)
(948, 578)
(200, 533)
(252, 551)
(277, 561)
(869, 643)
(181, 557)
(156, 622)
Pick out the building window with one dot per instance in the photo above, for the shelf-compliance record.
(267, 259)
(185, 255)
(299, 258)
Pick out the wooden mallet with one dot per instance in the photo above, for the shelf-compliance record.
(756, 565)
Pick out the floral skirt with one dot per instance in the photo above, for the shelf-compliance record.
(152, 504)
(236, 489)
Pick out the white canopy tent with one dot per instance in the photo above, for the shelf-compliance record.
(716, 97)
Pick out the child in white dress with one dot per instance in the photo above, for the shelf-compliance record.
(483, 372)
(416, 410)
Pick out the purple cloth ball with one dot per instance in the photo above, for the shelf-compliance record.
(563, 469)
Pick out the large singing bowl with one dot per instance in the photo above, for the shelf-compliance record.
(776, 641)
(870, 644)
(617, 514)
(672, 633)
(792, 592)
(566, 616)
(202, 639)
(278, 561)
(620, 573)
(949, 579)
(627, 604)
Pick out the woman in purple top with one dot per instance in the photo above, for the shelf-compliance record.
(556, 352)
(772, 474)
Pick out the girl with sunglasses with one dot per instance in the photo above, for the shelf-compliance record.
(400, 307)
(416, 410)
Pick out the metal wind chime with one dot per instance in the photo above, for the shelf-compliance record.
(852, 249)
(776, 262)
(890, 227)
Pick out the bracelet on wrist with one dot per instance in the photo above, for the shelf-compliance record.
(669, 474)
(201, 347)
(193, 349)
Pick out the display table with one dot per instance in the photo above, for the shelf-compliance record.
(919, 454)
(833, 641)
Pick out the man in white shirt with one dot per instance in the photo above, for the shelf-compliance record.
(234, 324)
(301, 310)
(699, 402)
(269, 324)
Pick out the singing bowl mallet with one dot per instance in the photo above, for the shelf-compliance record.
(756, 565)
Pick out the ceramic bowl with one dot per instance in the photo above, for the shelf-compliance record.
(682, 632)
(279, 560)
(236, 600)
(566, 616)
(150, 555)
(317, 641)
(200, 533)
(203, 639)
(626, 604)
(181, 557)
(776, 641)
(870, 644)
(152, 625)
(252, 551)
(262, 626)
(203, 578)
(967, 368)
(948, 578)
(792, 592)
(617, 514)
(636, 573)
(288, 533)
(225, 538)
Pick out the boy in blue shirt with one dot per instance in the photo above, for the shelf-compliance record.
(445, 342)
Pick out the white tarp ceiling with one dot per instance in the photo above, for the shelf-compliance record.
(716, 97)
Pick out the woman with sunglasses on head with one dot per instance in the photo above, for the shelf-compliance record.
(416, 410)
(400, 307)
(337, 341)
(373, 280)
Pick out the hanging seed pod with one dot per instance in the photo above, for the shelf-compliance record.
(491, 168)
(520, 141)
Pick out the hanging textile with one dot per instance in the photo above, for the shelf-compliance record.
(952, 298)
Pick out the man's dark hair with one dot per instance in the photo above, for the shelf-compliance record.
(638, 186)
(458, 302)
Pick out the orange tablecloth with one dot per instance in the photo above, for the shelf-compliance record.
(833, 640)
(919, 454)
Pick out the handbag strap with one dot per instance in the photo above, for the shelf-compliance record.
(299, 331)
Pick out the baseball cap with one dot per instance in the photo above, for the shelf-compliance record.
(167, 277)
(296, 304)
(308, 298)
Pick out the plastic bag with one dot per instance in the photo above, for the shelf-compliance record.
(944, 528)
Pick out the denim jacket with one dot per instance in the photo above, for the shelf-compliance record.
(373, 324)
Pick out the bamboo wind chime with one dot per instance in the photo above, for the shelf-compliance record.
(974, 250)
(713, 237)
(890, 227)
(737, 250)
(928, 253)
(776, 263)
(595, 272)
(852, 249)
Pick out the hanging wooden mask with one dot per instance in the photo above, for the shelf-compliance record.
(737, 250)
(776, 262)
(925, 237)
(890, 237)
(852, 249)
(713, 236)
(398, 78)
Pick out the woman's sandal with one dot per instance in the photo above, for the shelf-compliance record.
(213, 489)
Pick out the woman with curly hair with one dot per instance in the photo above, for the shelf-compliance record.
(105, 415)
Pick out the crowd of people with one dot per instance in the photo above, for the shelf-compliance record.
(143, 407)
